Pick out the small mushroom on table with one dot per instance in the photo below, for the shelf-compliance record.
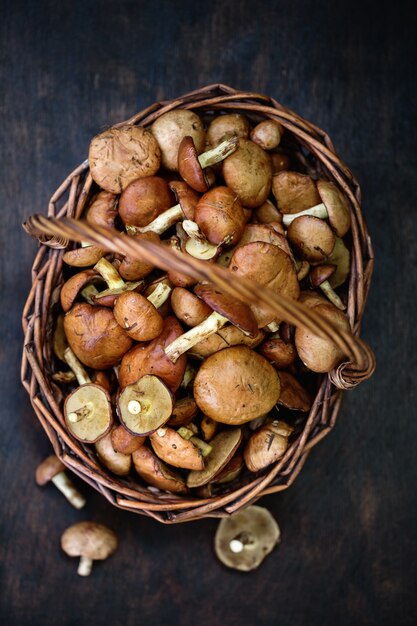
(244, 539)
(145, 406)
(91, 542)
(52, 469)
(225, 309)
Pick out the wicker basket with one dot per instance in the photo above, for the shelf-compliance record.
(317, 157)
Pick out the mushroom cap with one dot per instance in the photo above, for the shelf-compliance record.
(312, 238)
(117, 462)
(224, 445)
(267, 134)
(95, 337)
(150, 358)
(236, 311)
(294, 192)
(320, 273)
(138, 317)
(231, 470)
(50, 467)
(169, 130)
(90, 539)
(255, 529)
(220, 216)
(337, 206)
(189, 166)
(321, 355)
(270, 267)
(267, 213)
(72, 287)
(266, 445)
(281, 162)
(154, 402)
(224, 338)
(340, 256)
(183, 412)
(95, 406)
(185, 196)
(120, 155)
(169, 446)
(248, 172)
(143, 200)
(102, 211)
(132, 268)
(236, 385)
(268, 233)
(293, 395)
(281, 353)
(156, 473)
(83, 256)
(225, 126)
(188, 308)
(123, 441)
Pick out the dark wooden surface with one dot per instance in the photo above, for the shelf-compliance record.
(348, 553)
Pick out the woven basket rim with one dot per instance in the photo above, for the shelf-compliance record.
(69, 200)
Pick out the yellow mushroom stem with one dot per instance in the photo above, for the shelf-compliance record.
(219, 153)
(330, 293)
(85, 566)
(161, 223)
(197, 244)
(273, 327)
(77, 367)
(188, 434)
(114, 281)
(84, 412)
(67, 488)
(159, 295)
(210, 325)
(88, 292)
(319, 210)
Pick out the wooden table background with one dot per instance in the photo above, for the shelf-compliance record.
(348, 552)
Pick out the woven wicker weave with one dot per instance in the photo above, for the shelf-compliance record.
(317, 157)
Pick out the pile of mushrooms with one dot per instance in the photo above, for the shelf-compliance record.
(177, 385)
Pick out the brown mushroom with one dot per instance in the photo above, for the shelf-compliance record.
(294, 192)
(268, 233)
(120, 155)
(319, 277)
(267, 445)
(150, 358)
(154, 472)
(279, 352)
(124, 442)
(270, 267)
(188, 308)
(225, 309)
(169, 130)
(102, 210)
(244, 539)
(334, 207)
(88, 413)
(208, 427)
(132, 268)
(158, 292)
(143, 200)
(169, 446)
(183, 412)
(91, 542)
(248, 172)
(139, 318)
(224, 445)
(224, 338)
(281, 162)
(293, 395)
(52, 469)
(230, 471)
(145, 405)
(74, 285)
(84, 256)
(236, 385)
(321, 355)
(312, 238)
(220, 216)
(117, 462)
(267, 213)
(191, 165)
(196, 243)
(225, 126)
(267, 134)
(178, 278)
(95, 336)
(115, 283)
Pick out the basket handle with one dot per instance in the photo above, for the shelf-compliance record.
(361, 361)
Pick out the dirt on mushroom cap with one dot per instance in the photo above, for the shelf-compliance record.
(236, 385)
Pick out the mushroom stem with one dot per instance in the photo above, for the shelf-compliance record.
(81, 413)
(110, 274)
(197, 244)
(77, 367)
(85, 244)
(319, 210)
(88, 292)
(189, 376)
(273, 327)
(159, 295)
(161, 223)
(188, 434)
(134, 407)
(85, 566)
(220, 152)
(67, 487)
(211, 324)
(328, 290)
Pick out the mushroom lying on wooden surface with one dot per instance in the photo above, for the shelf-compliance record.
(91, 542)
(53, 470)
